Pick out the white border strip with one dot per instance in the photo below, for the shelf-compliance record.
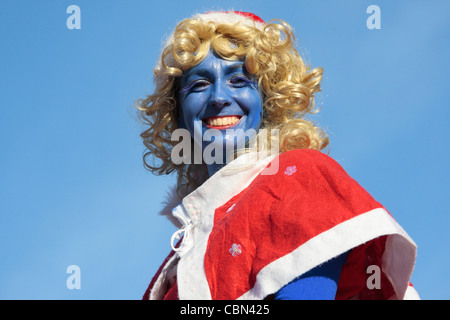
(333, 242)
(215, 192)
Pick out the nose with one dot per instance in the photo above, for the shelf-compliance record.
(219, 97)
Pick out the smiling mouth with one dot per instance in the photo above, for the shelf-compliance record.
(221, 122)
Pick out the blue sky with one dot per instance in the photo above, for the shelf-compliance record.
(73, 190)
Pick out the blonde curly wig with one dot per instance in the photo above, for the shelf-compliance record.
(287, 84)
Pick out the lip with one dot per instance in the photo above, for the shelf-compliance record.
(223, 116)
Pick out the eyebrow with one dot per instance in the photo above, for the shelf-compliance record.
(237, 65)
(207, 71)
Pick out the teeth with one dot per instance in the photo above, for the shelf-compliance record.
(222, 121)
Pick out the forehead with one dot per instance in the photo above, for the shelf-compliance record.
(215, 64)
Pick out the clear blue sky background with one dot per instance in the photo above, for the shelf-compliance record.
(73, 189)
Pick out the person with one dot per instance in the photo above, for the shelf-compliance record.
(268, 215)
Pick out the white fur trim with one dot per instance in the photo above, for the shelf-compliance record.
(228, 17)
(171, 201)
(411, 294)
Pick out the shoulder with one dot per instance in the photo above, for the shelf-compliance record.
(312, 175)
(308, 158)
(308, 164)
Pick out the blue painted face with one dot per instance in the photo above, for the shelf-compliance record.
(219, 94)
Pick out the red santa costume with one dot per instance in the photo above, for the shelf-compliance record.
(255, 226)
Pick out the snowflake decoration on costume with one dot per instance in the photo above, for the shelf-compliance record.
(231, 208)
(235, 250)
(290, 170)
